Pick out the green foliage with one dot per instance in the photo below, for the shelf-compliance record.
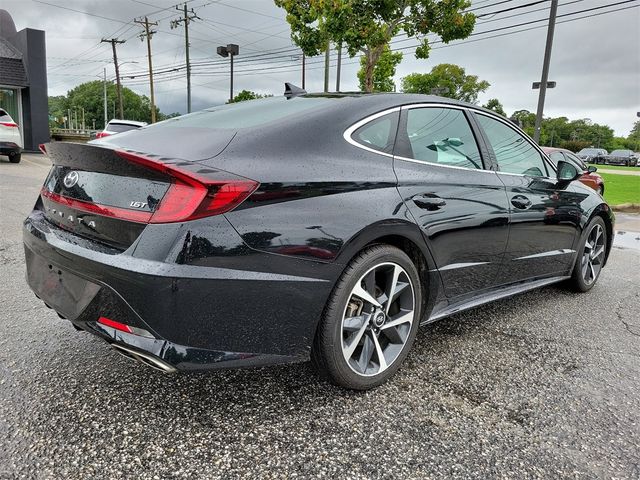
(495, 105)
(57, 111)
(366, 26)
(573, 135)
(452, 77)
(635, 132)
(383, 71)
(89, 96)
(247, 95)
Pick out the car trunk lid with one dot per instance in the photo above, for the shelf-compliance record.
(110, 195)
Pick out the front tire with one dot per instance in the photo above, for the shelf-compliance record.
(370, 321)
(591, 255)
(15, 157)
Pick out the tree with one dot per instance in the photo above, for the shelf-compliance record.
(247, 95)
(383, 71)
(459, 85)
(89, 96)
(495, 105)
(367, 27)
(57, 111)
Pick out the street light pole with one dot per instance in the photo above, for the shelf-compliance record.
(231, 50)
(545, 69)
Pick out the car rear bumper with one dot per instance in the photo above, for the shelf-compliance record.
(7, 148)
(198, 317)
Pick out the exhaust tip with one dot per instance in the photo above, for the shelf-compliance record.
(144, 358)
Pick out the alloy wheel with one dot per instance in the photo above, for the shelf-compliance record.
(593, 254)
(377, 319)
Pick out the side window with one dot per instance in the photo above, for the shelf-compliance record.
(441, 136)
(514, 153)
(378, 134)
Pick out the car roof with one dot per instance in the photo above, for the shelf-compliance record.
(555, 149)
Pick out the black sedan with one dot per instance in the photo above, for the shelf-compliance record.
(621, 157)
(322, 227)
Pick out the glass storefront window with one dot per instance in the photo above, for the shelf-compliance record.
(9, 102)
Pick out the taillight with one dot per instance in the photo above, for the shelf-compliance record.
(190, 196)
(43, 148)
(9, 124)
(102, 134)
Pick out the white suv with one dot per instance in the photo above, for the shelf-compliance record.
(119, 126)
(10, 138)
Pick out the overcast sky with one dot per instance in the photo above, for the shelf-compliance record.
(595, 61)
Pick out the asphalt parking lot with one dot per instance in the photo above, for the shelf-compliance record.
(544, 385)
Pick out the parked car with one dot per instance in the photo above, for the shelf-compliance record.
(592, 155)
(119, 126)
(588, 173)
(322, 226)
(622, 157)
(10, 137)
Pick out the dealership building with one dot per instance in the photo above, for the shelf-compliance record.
(23, 80)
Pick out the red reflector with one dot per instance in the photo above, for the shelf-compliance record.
(113, 324)
(9, 124)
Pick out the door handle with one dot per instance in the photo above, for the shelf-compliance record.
(429, 201)
(521, 202)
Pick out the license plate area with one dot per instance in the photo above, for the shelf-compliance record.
(65, 292)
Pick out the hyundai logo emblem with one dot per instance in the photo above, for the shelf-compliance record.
(70, 179)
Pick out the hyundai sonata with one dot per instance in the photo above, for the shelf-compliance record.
(323, 227)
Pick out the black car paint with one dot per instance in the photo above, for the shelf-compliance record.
(248, 287)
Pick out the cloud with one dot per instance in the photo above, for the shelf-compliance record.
(595, 61)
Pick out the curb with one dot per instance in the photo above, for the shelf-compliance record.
(626, 207)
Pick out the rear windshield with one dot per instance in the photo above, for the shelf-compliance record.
(251, 113)
(621, 153)
(120, 127)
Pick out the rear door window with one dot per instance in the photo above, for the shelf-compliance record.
(441, 136)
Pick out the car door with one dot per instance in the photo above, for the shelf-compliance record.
(545, 214)
(460, 205)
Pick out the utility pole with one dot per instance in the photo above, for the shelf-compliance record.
(326, 68)
(303, 72)
(113, 42)
(174, 24)
(545, 69)
(338, 66)
(104, 92)
(148, 34)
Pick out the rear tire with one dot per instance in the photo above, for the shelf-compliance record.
(590, 257)
(15, 157)
(363, 338)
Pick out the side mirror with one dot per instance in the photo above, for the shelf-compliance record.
(592, 169)
(567, 172)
